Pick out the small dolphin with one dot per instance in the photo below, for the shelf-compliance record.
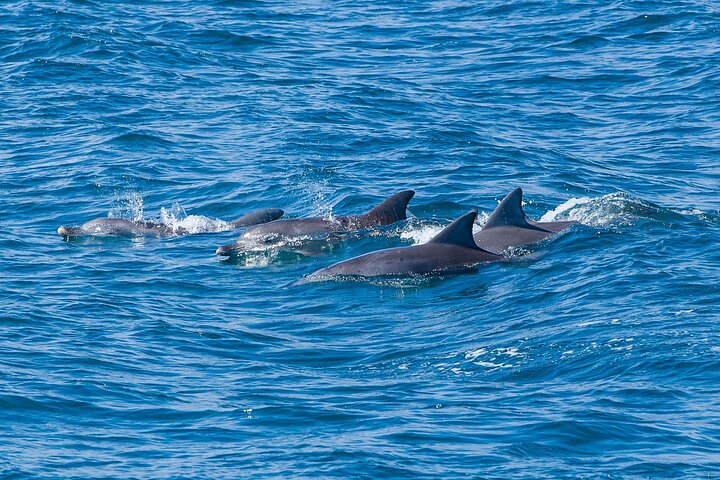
(451, 250)
(115, 227)
(119, 227)
(390, 211)
(508, 226)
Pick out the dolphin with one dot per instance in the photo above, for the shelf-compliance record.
(115, 227)
(119, 227)
(392, 210)
(508, 226)
(451, 250)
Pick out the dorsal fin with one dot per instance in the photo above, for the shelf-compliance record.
(510, 213)
(392, 210)
(264, 215)
(459, 232)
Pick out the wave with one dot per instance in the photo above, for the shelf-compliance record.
(608, 210)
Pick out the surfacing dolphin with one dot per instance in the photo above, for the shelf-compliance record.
(119, 227)
(390, 211)
(508, 226)
(453, 250)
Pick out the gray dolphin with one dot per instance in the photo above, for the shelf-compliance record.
(119, 227)
(451, 250)
(389, 211)
(508, 226)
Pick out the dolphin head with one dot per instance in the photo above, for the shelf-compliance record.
(226, 250)
(66, 232)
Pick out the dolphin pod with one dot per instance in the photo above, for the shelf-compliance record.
(119, 227)
(451, 250)
(454, 249)
(392, 210)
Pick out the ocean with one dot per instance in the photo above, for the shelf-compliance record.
(595, 355)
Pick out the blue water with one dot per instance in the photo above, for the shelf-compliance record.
(595, 355)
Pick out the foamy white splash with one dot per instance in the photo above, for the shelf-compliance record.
(612, 209)
(178, 220)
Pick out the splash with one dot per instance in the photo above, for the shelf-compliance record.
(420, 234)
(609, 210)
(129, 205)
(179, 221)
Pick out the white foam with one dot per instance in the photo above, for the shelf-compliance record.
(475, 353)
(420, 235)
(509, 351)
(557, 212)
(179, 221)
(493, 365)
(694, 212)
(197, 224)
(612, 209)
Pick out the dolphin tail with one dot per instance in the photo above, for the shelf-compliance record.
(510, 213)
(392, 210)
(264, 215)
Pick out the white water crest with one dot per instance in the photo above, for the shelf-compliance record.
(612, 209)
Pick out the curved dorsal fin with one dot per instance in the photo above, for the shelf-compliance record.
(392, 210)
(256, 217)
(510, 213)
(459, 232)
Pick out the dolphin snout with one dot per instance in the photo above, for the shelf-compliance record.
(68, 231)
(225, 250)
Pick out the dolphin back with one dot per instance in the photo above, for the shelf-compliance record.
(264, 215)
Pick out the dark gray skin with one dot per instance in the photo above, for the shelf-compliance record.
(119, 227)
(451, 250)
(264, 215)
(508, 226)
(390, 211)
